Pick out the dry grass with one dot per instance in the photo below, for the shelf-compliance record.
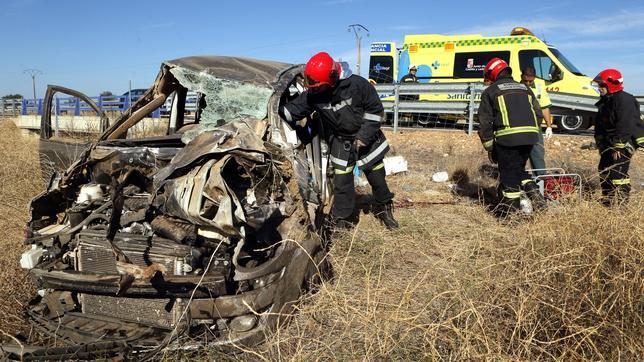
(19, 181)
(452, 283)
(456, 284)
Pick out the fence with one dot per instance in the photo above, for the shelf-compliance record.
(75, 106)
(461, 99)
(10, 107)
(464, 97)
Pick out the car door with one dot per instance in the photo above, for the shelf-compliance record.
(67, 128)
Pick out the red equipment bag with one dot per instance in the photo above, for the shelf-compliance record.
(554, 186)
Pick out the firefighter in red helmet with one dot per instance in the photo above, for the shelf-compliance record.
(351, 113)
(619, 130)
(509, 116)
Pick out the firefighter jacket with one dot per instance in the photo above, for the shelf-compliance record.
(618, 123)
(509, 114)
(409, 78)
(352, 110)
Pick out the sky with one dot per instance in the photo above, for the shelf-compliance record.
(95, 46)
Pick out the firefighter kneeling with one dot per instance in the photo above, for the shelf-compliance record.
(510, 118)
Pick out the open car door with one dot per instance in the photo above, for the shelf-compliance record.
(62, 141)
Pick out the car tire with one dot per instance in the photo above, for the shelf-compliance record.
(572, 123)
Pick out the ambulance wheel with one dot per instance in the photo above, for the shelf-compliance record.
(571, 123)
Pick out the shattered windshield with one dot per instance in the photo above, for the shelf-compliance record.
(226, 100)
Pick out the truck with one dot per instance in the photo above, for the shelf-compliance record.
(461, 58)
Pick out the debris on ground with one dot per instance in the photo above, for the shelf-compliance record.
(395, 164)
(441, 176)
(207, 235)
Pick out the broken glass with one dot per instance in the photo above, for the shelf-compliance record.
(226, 100)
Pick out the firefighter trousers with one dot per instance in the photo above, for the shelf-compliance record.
(613, 175)
(512, 162)
(344, 157)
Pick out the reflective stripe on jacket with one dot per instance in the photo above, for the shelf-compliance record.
(352, 109)
(618, 123)
(509, 114)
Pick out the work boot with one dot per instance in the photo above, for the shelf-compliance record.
(385, 213)
(340, 223)
(506, 207)
(538, 201)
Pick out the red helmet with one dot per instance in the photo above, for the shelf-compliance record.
(611, 79)
(493, 68)
(321, 69)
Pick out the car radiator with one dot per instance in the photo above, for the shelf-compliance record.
(94, 253)
(164, 313)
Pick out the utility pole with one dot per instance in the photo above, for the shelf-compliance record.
(33, 73)
(357, 29)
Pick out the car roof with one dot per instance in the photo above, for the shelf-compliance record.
(240, 69)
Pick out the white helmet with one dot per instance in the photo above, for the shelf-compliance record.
(412, 67)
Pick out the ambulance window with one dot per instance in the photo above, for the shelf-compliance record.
(537, 59)
(470, 65)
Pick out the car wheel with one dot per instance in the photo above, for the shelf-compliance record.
(570, 123)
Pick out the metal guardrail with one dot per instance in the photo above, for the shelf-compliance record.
(75, 106)
(466, 100)
(10, 107)
(582, 103)
(573, 101)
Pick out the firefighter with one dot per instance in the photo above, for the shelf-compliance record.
(509, 117)
(618, 132)
(410, 78)
(351, 111)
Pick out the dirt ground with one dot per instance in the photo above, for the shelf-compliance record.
(452, 283)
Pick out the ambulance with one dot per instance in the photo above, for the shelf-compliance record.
(461, 58)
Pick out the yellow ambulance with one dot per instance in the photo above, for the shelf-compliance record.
(461, 58)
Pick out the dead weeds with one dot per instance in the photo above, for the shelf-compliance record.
(452, 283)
(19, 181)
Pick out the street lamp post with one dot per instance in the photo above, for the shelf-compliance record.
(357, 29)
(33, 73)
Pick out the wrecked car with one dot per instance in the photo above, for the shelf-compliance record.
(204, 231)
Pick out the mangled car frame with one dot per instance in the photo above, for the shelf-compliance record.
(209, 231)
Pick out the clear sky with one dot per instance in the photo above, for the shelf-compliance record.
(93, 46)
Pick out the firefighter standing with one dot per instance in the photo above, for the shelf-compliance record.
(410, 78)
(509, 117)
(351, 111)
(618, 131)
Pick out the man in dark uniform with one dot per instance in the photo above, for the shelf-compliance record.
(619, 130)
(351, 112)
(410, 78)
(509, 117)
